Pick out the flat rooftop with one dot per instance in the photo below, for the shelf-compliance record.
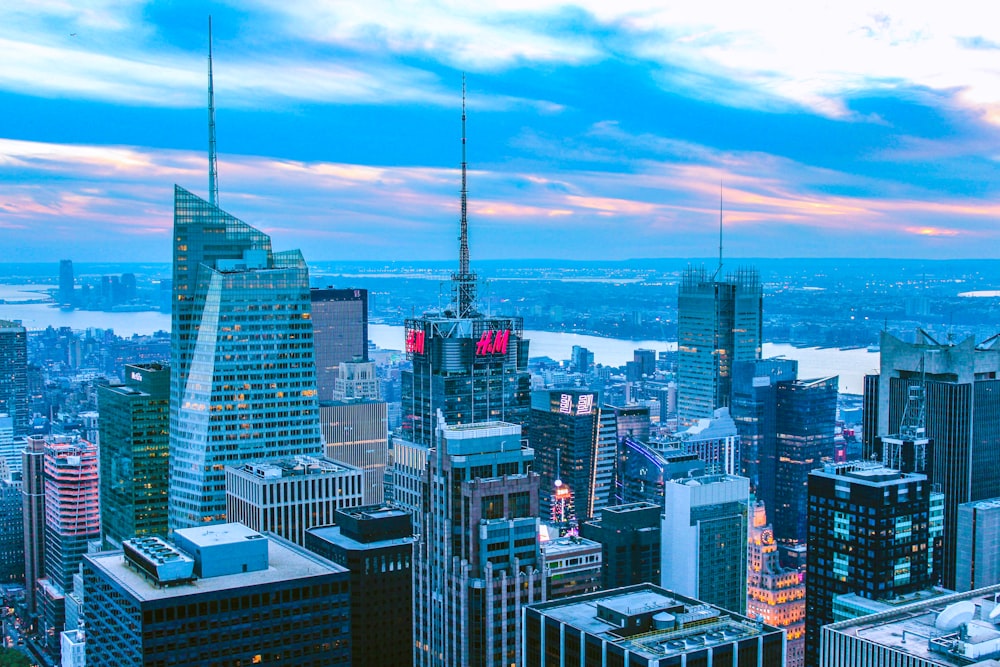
(293, 467)
(218, 534)
(706, 625)
(560, 546)
(913, 629)
(286, 563)
(333, 535)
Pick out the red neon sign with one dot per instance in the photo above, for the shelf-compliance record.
(415, 341)
(493, 342)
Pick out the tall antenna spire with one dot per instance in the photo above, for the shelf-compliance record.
(213, 169)
(718, 269)
(465, 280)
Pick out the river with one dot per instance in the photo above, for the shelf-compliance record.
(850, 365)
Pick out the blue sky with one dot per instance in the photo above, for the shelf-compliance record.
(597, 129)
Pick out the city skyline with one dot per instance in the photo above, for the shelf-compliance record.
(594, 132)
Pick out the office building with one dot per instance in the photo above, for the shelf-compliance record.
(220, 595)
(563, 430)
(806, 418)
(715, 441)
(10, 447)
(958, 630)
(340, 333)
(289, 496)
(630, 539)
(375, 544)
(873, 531)
(135, 444)
(14, 374)
(572, 565)
(605, 459)
(977, 564)
(11, 530)
(582, 359)
(645, 626)
(477, 562)
(631, 420)
(242, 371)
(645, 361)
(74, 648)
(72, 506)
(644, 469)
(33, 505)
(754, 409)
(775, 594)
(962, 417)
(718, 325)
(705, 530)
(67, 284)
(356, 428)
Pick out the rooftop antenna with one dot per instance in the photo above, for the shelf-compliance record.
(213, 169)
(465, 280)
(718, 270)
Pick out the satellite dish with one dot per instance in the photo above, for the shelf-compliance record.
(954, 615)
(995, 615)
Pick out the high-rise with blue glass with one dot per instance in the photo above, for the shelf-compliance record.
(243, 377)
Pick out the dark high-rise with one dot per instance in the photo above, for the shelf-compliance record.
(871, 533)
(67, 297)
(961, 397)
(718, 324)
(806, 417)
(563, 429)
(340, 333)
(14, 374)
(382, 596)
(643, 470)
(629, 536)
(754, 409)
(135, 442)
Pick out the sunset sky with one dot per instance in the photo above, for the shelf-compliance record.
(597, 130)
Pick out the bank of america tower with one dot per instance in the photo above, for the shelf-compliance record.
(243, 375)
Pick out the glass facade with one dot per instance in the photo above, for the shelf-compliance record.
(718, 324)
(243, 376)
(135, 443)
(806, 418)
(340, 332)
(14, 374)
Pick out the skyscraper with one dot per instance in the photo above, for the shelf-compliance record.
(381, 597)
(33, 506)
(774, 593)
(355, 425)
(977, 563)
(870, 533)
(135, 442)
(563, 429)
(243, 372)
(243, 381)
(478, 562)
(340, 333)
(11, 530)
(705, 539)
(14, 374)
(754, 409)
(629, 536)
(718, 324)
(961, 398)
(471, 367)
(806, 417)
(67, 298)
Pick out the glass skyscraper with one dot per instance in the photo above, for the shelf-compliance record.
(340, 332)
(718, 324)
(243, 377)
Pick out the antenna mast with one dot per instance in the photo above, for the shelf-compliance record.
(465, 280)
(718, 270)
(213, 169)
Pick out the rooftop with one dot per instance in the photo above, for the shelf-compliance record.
(952, 631)
(293, 467)
(663, 623)
(287, 562)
